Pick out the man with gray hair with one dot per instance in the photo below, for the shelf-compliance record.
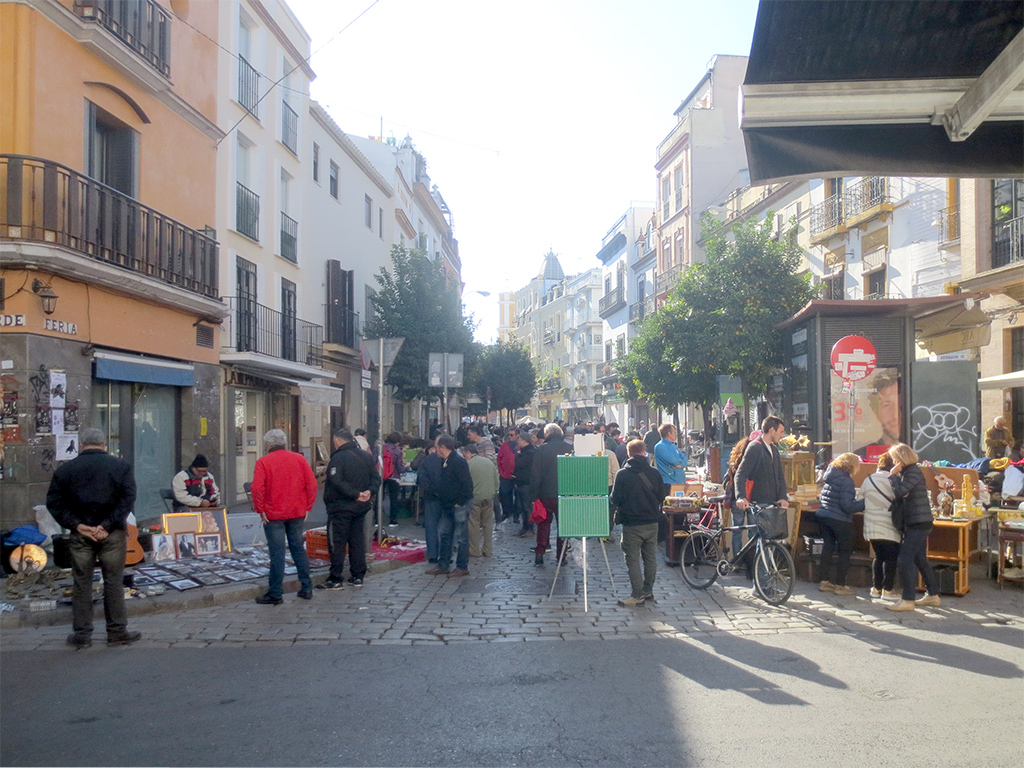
(283, 491)
(545, 487)
(92, 495)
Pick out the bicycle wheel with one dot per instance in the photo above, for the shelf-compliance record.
(699, 560)
(774, 572)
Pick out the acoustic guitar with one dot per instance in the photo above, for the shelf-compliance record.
(134, 554)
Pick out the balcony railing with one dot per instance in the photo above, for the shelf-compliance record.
(641, 309)
(341, 326)
(827, 215)
(867, 196)
(253, 327)
(666, 279)
(1008, 242)
(289, 238)
(247, 212)
(142, 25)
(248, 87)
(289, 127)
(949, 225)
(612, 301)
(49, 203)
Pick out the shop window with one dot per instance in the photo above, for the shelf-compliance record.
(155, 416)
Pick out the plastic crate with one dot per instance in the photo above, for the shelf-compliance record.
(582, 475)
(316, 543)
(580, 516)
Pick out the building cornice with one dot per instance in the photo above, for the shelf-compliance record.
(282, 38)
(320, 115)
(114, 52)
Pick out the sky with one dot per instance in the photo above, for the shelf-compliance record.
(539, 120)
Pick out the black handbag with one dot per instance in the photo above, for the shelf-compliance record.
(896, 510)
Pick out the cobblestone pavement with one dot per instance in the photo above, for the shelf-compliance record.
(505, 599)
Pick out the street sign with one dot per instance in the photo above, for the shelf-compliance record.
(436, 364)
(391, 348)
(366, 380)
(853, 358)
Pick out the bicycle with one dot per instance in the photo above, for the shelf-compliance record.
(703, 559)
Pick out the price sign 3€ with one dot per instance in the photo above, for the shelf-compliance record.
(853, 358)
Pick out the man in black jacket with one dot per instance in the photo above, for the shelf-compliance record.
(761, 465)
(92, 495)
(456, 496)
(523, 475)
(544, 486)
(637, 495)
(352, 479)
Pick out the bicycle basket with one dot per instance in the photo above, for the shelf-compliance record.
(772, 522)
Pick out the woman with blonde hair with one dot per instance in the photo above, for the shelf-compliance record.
(839, 503)
(910, 490)
(879, 528)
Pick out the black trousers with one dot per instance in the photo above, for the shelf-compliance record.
(345, 531)
(884, 568)
(913, 558)
(838, 537)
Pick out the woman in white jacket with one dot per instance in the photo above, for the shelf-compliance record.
(879, 528)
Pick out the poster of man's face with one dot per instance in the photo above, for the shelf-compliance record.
(875, 414)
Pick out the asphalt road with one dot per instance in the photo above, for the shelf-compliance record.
(873, 698)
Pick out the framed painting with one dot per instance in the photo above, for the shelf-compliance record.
(185, 545)
(209, 544)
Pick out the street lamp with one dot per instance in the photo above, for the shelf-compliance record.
(46, 295)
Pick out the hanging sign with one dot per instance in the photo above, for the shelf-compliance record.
(853, 358)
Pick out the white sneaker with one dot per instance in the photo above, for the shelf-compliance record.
(892, 594)
(876, 592)
(929, 600)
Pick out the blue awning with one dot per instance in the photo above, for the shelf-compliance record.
(146, 370)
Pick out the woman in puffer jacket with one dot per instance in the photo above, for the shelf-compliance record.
(839, 503)
(879, 529)
(908, 484)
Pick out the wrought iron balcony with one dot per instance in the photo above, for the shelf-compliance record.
(949, 225)
(665, 280)
(289, 238)
(248, 87)
(867, 198)
(341, 326)
(1008, 242)
(142, 25)
(641, 309)
(612, 301)
(827, 215)
(289, 127)
(247, 212)
(46, 202)
(252, 327)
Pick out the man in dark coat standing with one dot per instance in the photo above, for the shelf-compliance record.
(456, 496)
(92, 495)
(545, 487)
(637, 496)
(761, 465)
(352, 479)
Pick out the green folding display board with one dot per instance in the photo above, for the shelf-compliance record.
(580, 516)
(582, 475)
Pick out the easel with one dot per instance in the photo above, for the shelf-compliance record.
(558, 567)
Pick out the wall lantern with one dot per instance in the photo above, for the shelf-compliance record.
(46, 296)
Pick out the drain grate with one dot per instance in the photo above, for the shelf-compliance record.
(563, 586)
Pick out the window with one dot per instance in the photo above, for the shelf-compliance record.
(112, 151)
(609, 352)
(1007, 222)
(333, 181)
(680, 240)
(248, 77)
(316, 162)
(289, 226)
(368, 212)
(245, 290)
(620, 346)
(380, 223)
(666, 195)
(875, 284)
(339, 327)
(679, 188)
(288, 310)
(247, 203)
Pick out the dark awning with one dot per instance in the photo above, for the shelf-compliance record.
(881, 87)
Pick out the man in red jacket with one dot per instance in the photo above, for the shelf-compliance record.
(283, 492)
(507, 471)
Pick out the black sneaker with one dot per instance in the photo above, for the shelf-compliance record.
(355, 582)
(538, 560)
(331, 584)
(268, 600)
(126, 639)
(80, 641)
(649, 596)
(305, 594)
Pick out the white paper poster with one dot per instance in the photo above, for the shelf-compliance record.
(57, 421)
(67, 447)
(58, 389)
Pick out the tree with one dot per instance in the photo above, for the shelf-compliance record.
(416, 302)
(508, 371)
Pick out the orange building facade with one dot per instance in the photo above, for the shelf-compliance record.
(110, 311)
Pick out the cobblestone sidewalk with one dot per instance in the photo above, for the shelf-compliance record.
(505, 599)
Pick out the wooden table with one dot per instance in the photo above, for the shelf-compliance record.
(678, 530)
(955, 542)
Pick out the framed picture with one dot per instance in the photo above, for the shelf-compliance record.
(182, 584)
(181, 522)
(209, 544)
(185, 545)
(163, 547)
(216, 521)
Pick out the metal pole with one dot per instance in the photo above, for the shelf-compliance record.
(853, 415)
(444, 373)
(380, 438)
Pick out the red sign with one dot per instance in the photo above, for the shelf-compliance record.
(853, 358)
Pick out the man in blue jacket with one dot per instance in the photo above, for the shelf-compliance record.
(456, 496)
(669, 458)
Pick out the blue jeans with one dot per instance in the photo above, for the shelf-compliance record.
(741, 517)
(506, 489)
(277, 531)
(431, 519)
(913, 558)
(454, 523)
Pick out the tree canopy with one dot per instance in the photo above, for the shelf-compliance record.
(508, 371)
(416, 303)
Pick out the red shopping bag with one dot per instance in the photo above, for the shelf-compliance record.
(539, 513)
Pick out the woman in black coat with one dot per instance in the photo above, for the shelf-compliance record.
(908, 485)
